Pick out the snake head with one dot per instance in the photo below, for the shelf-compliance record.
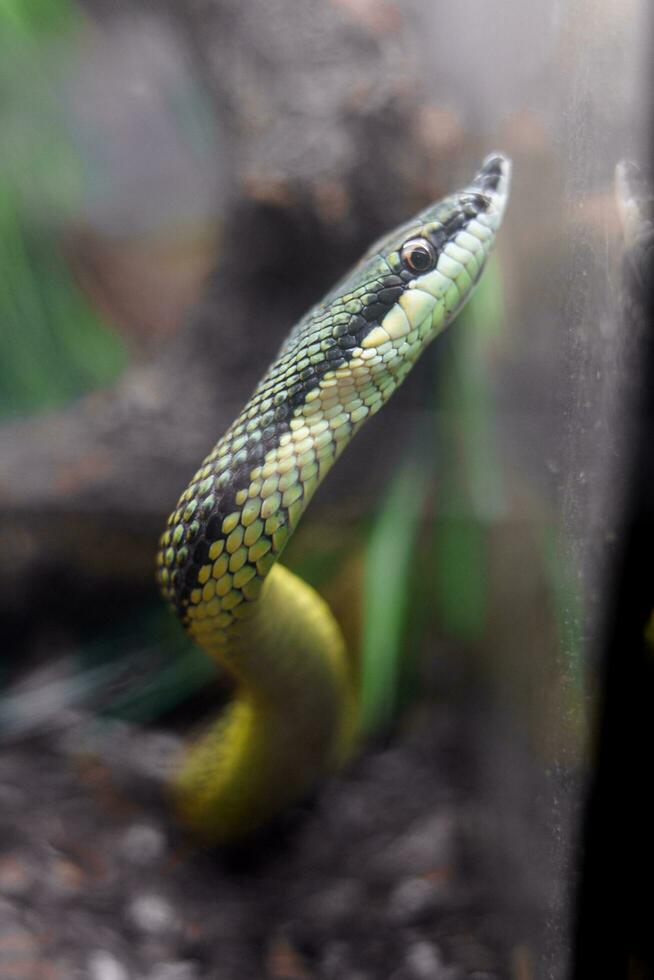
(412, 282)
(429, 266)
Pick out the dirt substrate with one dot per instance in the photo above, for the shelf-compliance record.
(372, 879)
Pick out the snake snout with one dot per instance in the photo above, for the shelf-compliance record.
(493, 171)
(492, 183)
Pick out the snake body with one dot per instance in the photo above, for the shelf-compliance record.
(294, 716)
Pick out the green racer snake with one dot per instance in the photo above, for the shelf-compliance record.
(294, 715)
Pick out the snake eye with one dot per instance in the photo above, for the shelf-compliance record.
(418, 255)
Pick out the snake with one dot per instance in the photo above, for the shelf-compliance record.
(294, 717)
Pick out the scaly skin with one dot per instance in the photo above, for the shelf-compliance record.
(295, 714)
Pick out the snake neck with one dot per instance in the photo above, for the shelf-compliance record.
(235, 518)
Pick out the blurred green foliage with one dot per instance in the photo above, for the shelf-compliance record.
(390, 557)
(53, 344)
(429, 554)
(30, 18)
(470, 480)
(461, 467)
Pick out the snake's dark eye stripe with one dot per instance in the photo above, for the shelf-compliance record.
(473, 204)
(418, 255)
